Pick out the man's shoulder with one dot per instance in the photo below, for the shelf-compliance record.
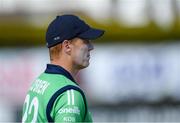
(54, 83)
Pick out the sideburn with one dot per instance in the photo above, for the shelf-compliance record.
(54, 52)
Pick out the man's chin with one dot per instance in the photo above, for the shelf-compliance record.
(84, 66)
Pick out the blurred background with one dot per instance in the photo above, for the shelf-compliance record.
(134, 75)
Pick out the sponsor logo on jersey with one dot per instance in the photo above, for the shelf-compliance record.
(73, 110)
(69, 119)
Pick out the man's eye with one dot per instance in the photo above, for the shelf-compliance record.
(87, 41)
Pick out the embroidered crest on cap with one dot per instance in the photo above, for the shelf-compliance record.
(56, 38)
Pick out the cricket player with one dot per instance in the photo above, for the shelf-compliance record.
(55, 96)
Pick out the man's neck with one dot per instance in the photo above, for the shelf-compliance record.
(67, 67)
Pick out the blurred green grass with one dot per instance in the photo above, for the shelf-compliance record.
(17, 31)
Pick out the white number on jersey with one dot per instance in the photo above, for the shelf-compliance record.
(28, 109)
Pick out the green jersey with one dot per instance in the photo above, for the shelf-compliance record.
(55, 97)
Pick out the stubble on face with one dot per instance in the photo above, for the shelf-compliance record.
(80, 53)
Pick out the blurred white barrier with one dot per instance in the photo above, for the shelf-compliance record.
(18, 68)
(6, 111)
(117, 73)
(142, 114)
(120, 73)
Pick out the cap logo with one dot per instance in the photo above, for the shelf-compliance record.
(56, 38)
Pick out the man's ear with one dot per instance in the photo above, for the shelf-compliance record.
(66, 46)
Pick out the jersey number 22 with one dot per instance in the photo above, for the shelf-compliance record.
(28, 109)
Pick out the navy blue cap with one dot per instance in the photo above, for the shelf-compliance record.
(66, 27)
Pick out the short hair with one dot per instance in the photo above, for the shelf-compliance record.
(55, 51)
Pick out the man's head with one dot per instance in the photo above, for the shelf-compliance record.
(69, 37)
(76, 51)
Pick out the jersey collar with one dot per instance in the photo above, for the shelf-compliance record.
(55, 69)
